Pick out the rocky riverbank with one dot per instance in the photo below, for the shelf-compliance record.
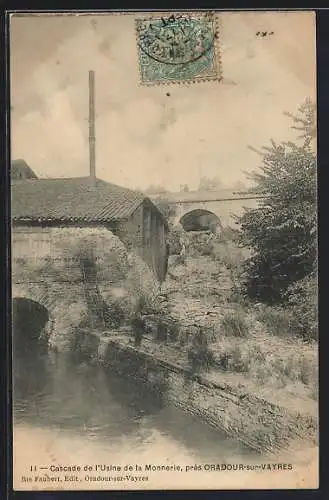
(255, 387)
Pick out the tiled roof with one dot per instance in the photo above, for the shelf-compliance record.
(74, 199)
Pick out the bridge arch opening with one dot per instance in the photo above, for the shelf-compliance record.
(29, 321)
(201, 220)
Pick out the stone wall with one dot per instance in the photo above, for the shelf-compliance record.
(254, 422)
(46, 268)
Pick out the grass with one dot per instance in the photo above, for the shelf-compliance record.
(229, 254)
(260, 345)
(277, 321)
(200, 358)
(285, 322)
(234, 323)
(269, 361)
(254, 343)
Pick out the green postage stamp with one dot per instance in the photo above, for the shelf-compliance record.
(178, 48)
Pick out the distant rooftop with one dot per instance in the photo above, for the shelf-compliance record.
(21, 170)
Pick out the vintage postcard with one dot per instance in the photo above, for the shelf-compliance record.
(164, 250)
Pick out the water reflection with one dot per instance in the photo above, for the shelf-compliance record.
(88, 401)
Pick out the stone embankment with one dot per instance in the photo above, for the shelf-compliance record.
(256, 423)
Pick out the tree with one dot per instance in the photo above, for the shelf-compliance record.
(167, 209)
(281, 231)
(155, 189)
(305, 122)
(210, 184)
(239, 186)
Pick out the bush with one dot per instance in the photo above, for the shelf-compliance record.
(237, 297)
(114, 312)
(314, 392)
(163, 327)
(173, 330)
(302, 302)
(237, 362)
(82, 345)
(228, 234)
(161, 330)
(200, 244)
(231, 358)
(297, 367)
(174, 239)
(278, 321)
(205, 249)
(200, 355)
(306, 374)
(229, 254)
(298, 317)
(274, 362)
(148, 304)
(234, 323)
(200, 358)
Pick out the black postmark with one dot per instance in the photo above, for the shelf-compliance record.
(178, 39)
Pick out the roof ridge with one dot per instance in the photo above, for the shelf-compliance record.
(86, 177)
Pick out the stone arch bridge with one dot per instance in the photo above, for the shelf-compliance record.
(214, 210)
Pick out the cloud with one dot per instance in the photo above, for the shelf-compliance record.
(144, 136)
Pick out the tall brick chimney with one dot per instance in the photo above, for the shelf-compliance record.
(92, 138)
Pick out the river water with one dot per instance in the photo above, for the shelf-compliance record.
(67, 414)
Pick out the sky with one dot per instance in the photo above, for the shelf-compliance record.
(143, 135)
